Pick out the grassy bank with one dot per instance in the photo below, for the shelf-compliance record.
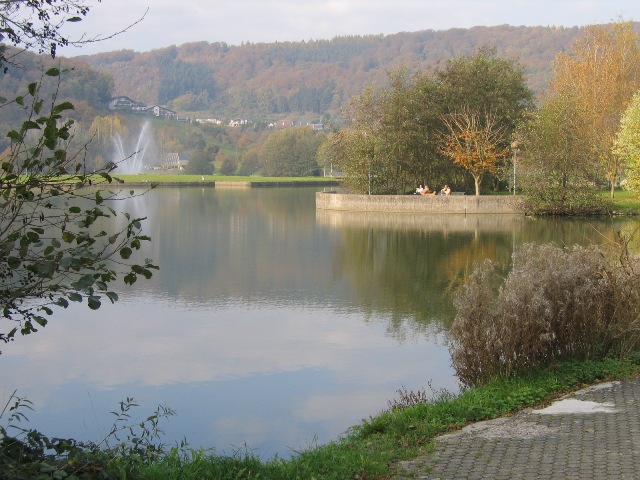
(370, 449)
(625, 203)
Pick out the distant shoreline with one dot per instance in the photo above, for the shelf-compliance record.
(216, 181)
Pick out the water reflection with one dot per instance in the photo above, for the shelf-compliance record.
(269, 324)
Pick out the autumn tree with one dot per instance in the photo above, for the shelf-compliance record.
(474, 143)
(598, 77)
(626, 146)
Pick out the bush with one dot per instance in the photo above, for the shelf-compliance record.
(557, 303)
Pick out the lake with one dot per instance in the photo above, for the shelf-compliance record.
(271, 326)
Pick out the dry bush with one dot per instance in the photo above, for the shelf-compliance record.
(556, 303)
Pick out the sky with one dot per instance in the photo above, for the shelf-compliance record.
(175, 22)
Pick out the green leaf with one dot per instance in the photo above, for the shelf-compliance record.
(142, 271)
(125, 252)
(75, 209)
(13, 135)
(68, 237)
(53, 72)
(30, 125)
(106, 176)
(93, 302)
(33, 87)
(62, 302)
(20, 100)
(37, 107)
(130, 278)
(75, 297)
(84, 282)
(74, 19)
(13, 262)
(40, 320)
(61, 107)
(113, 296)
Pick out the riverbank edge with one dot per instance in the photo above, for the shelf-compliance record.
(451, 204)
(374, 448)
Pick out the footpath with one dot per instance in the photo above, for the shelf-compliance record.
(593, 433)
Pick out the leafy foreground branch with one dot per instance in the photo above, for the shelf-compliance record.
(367, 451)
(58, 243)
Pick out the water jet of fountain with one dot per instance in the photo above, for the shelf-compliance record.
(131, 161)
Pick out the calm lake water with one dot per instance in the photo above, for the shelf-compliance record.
(270, 326)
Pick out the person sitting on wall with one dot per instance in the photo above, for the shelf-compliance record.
(446, 190)
(427, 192)
(419, 189)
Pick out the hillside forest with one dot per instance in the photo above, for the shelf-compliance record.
(273, 91)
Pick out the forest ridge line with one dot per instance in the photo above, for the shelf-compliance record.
(266, 79)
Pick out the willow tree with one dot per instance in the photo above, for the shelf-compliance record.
(598, 77)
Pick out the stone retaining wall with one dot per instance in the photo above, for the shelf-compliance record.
(463, 204)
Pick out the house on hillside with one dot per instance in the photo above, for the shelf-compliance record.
(238, 122)
(158, 111)
(215, 121)
(124, 103)
(282, 124)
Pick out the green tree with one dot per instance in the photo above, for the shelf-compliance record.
(291, 152)
(200, 163)
(404, 120)
(389, 144)
(626, 146)
(486, 86)
(554, 167)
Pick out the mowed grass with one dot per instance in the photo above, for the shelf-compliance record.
(625, 202)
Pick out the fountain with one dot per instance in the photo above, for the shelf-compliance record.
(131, 160)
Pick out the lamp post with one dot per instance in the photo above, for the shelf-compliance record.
(514, 146)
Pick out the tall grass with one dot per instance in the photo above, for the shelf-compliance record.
(557, 303)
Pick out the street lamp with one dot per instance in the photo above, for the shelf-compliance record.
(514, 146)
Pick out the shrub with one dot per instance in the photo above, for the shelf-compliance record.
(556, 303)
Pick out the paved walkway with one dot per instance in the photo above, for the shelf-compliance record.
(591, 434)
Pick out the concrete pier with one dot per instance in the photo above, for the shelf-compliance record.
(453, 204)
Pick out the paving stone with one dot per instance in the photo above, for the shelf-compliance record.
(573, 444)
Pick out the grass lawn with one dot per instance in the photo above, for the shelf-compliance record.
(625, 202)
